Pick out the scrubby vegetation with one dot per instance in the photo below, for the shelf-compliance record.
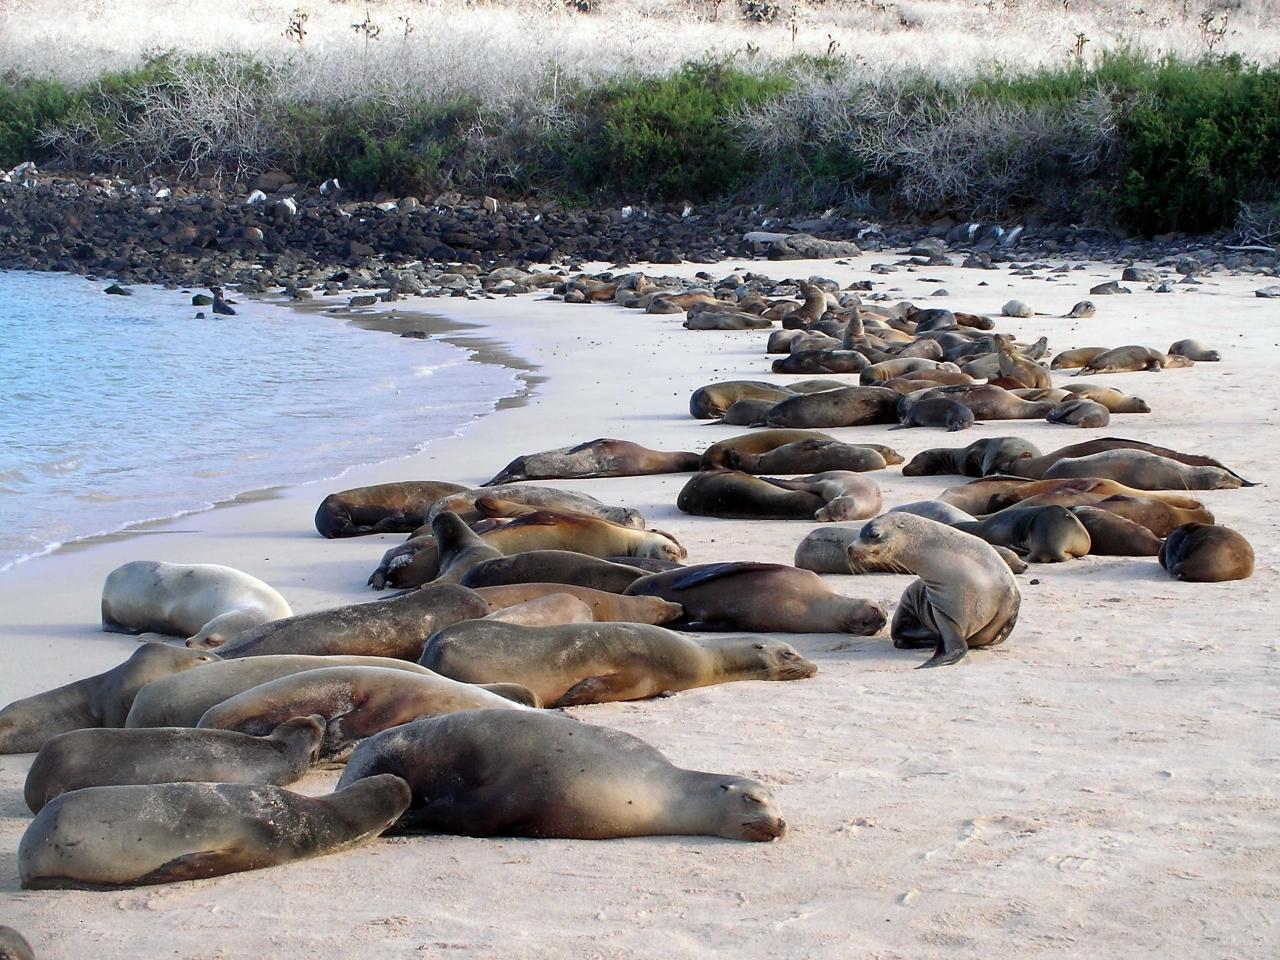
(1108, 135)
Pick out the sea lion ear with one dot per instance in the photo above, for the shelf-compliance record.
(759, 646)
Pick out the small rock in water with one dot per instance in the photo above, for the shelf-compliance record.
(118, 291)
(201, 300)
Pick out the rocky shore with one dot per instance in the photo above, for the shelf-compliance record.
(273, 233)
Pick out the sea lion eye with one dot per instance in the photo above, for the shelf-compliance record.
(750, 799)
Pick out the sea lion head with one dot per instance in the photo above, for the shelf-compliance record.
(862, 618)
(747, 811)
(881, 540)
(662, 546)
(781, 661)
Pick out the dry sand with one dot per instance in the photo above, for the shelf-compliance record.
(1104, 784)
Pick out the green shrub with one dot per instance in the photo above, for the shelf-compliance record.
(26, 108)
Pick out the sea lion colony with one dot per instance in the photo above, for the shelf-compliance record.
(523, 598)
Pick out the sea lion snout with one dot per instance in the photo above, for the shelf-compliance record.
(867, 621)
(764, 830)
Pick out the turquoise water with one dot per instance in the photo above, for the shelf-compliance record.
(116, 410)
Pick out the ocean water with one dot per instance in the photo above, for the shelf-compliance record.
(117, 410)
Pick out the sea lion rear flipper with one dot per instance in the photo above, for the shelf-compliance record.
(599, 689)
(951, 644)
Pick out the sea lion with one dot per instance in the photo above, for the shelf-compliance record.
(595, 458)
(901, 366)
(935, 510)
(576, 664)
(760, 598)
(979, 459)
(815, 456)
(554, 566)
(180, 701)
(824, 550)
(1082, 310)
(985, 400)
(99, 758)
(711, 401)
(547, 775)
(1035, 468)
(1109, 397)
(729, 453)
(719, 320)
(847, 495)
(103, 700)
(1205, 553)
(548, 530)
(460, 548)
(545, 611)
(1144, 471)
(821, 361)
(1015, 366)
(14, 946)
(354, 702)
(1111, 535)
(1194, 350)
(1037, 534)
(734, 495)
(936, 412)
(541, 498)
(747, 413)
(1157, 516)
(191, 831)
(395, 627)
(605, 607)
(1008, 492)
(384, 508)
(1126, 359)
(965, 597)
(845, 407)
(1080, 413)
(203, 601)
(1076, 357)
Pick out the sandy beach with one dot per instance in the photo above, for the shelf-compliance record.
(1104, 783)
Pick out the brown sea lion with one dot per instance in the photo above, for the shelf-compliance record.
(1037, 534)
(395, 627)
(814, 456)
(979, 459)
(190, 831)
(985, 400)
(554, 566)
(821, 361)
(1015, 366)
(1158, 517)
(1011, 493)
(1111, 535)
(109, 757)
(203, 601)
(460, 547)
(734, 495)
(902, 366)
(14, 946)
(1080, 413)
(845, 407)
(936, 412)
(965, 597)
(1076, 358)
(1143, 470)
(544, 611)
(103, 700)
(747, 413)
(1109, 397)
(605, 607)
(719, 320)
(847, 495)
(548, 530)
(595, 458)
(711, 401)
(1034, 468)
(547, 775)
(1127, 359)
(577, 664)
(726, 453)
(540, 498)
(1194, 350)
(760, 598)
(384, 508)
(354, 702)
(1204, 553)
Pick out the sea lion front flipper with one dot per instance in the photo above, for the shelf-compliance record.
(714, 571)
(601, 689)
(952, 647)
(196, 866)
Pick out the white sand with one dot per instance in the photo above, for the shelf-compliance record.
(1104, 784)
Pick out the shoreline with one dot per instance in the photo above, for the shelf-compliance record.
(1085, 782)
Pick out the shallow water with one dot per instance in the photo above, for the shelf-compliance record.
(116, 410)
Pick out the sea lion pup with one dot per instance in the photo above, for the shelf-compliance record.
(1111, 535)
(540, 498)
(581, 663)
(1157, 516)
(100, 758)
(965, 597)
(1127, 359)
(1080, 413)
(545, 611)
(821, 361)
(191, 831)
(979, 459)
(813, 456)
(103, 700)
(1075, 358)
(936, 412)
(1034, 468)
(1037, 534)
(180, 701)
(712, 400)
(547, 775)
(395, 627)
(1145, 471)
(1082, 310)
(203, 601)
(353, 702)
(384, 508)
(1109, 397)
(605, 607)
(811, 310)
(734, 495)
(1193, 350)
(760, 598)
(1017, 367)
(985, 400)
(747, 413)
(595, 458)
(14, 946)
(549, 530)
(1204, 553)
(846, 407)
(554, 566)
(848, 495)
